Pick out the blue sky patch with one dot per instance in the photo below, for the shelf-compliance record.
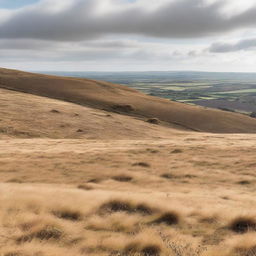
(13, 4)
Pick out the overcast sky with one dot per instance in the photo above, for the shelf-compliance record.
(134, 35)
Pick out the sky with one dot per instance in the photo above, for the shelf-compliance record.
(128, 35)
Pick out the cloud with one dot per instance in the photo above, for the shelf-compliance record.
(89, 19)
(246, 44)
(127, 34)
(100, 50)
(25, 44)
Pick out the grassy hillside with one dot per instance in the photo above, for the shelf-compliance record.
(28, 116)
(79, 180)
(191, 195)
(116, 98)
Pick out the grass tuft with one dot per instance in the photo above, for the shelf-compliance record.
(167, 175)
(122, 178)
(244, 182)
(94, 180)
(85, 187)
(151, 250)
(136, 248)
(176, 151)
(13, 253)
(142, 164)
(153, 121)
(45, 233)
(243, 224)
(123, 108)
(169, 218)
(126, 206)
(68, 214)
(55, 111)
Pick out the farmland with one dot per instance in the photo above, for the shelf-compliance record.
(227, 91)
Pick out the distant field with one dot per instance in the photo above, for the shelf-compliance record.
(230, 91)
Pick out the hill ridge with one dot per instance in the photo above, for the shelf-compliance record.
(117, 98)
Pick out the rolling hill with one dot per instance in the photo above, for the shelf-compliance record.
(119, 99)
(24, 115)
(85, 171)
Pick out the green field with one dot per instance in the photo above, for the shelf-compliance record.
(227, 91)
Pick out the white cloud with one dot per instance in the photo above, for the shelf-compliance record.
(155, 34)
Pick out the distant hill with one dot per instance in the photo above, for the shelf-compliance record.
(120, 99)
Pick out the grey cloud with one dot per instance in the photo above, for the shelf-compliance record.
(115, 44)
(25, 44)
(247, 44)
(43, 45)
(174, 19)
(53, 56)
(56, 52)
(23, 49)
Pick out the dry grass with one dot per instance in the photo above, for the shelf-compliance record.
(168, 218)
(243, 245)
(122, 178)
(43, 232)
(113, 97)
(243, 224)
(109, 217)
(153, 121)
(128, 206)
(43, 117)
(68, 214)
(85, 187)
(145, 244)
(114, 214)
(93, 223)
(117, 185)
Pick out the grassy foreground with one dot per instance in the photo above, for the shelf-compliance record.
(190, 195)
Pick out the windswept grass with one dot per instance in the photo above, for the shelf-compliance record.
(128, 206)
(71, 222)
(243, 224)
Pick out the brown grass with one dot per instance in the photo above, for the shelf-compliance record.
(126, 108)
(112, 97)
(122, 178)
(153, 121)
(168, 176)
(101, 192)
(119, 205)
(68, 214)
(46, 232)
(85, 187)
(168, 218)
(94, 223)
(145, 244)
(243, 224)
(142, 164)
(176, 151)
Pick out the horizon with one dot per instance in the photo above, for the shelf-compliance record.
(143, 71)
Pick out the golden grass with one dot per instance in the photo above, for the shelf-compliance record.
(171, 194)
(145, 244)
(121, 99)
(167, 218)
(243, 224)
(128, 206)
(99, 222)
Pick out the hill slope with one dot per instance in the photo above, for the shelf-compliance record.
(24, 115)
(79, 180)
(98, 198)
(117, 98)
